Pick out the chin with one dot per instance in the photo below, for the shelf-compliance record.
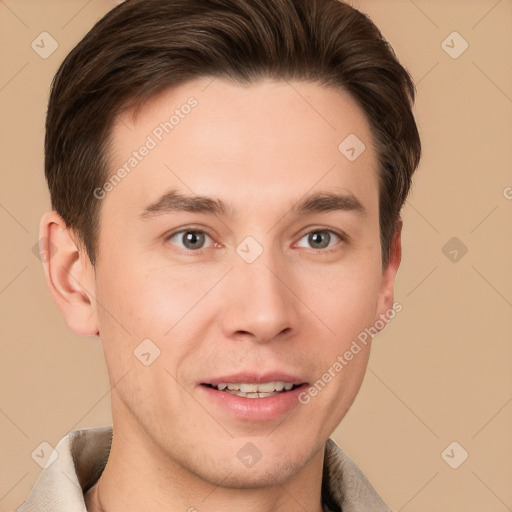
(253, 478)
(269, 470)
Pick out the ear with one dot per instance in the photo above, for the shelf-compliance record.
(69, 274)
(387, 287)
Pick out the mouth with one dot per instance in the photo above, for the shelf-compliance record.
(249, 390)
(252, 396)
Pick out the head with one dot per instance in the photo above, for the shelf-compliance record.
(226, 180)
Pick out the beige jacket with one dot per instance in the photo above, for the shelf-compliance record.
(82, 456)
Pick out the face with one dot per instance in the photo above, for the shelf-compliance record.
(239, 256)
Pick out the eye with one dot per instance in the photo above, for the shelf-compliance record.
(189, 239)
(320, 239)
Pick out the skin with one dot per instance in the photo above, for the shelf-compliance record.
(296, 308)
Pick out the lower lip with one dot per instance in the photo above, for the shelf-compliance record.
(255, 409)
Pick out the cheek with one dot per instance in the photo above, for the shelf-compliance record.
(139, 302)
(144, 300)
(142, 351)
(345, 299)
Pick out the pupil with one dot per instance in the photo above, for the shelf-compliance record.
(319, 239)
(193, 239)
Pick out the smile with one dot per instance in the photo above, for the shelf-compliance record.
(262, 390)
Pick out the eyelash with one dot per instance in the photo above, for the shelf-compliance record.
(329, 249)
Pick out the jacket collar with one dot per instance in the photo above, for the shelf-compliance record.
(83, 454)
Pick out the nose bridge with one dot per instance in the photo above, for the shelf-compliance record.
(260, 303)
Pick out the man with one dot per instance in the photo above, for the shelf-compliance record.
(226, 180)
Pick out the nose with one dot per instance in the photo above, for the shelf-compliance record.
(260, 301)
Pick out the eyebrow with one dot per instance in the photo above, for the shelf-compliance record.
(174, 201)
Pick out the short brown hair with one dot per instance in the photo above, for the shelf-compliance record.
(142, 47)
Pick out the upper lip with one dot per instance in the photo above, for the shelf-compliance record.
(255, 378)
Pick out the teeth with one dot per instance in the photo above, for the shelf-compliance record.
(267, 387)
(251, 395)
(249, 388)
(255, 390)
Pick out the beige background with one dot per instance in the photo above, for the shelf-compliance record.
(440, 372)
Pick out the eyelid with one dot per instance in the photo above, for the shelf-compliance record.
(200, 229)
(313, 229)
(187, 229)
(340, 234)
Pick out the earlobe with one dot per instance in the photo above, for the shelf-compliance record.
(69, 274)
(387, 289)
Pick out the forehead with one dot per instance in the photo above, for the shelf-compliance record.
(211, 137)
